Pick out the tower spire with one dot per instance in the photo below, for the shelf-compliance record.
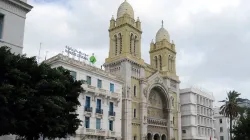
(162, 23)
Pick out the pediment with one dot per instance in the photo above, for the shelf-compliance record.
(155, 78)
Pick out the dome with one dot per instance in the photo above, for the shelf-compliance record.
(162, 34)
(125, 7)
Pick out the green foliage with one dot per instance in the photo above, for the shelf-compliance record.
(35, 99)
(242, 127)
(230, 108)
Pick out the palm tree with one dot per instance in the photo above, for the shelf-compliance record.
(230, 107)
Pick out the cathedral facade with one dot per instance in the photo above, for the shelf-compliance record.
(150, 96)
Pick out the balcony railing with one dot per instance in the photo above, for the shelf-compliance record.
(111, 113)
(88, 109)
(100, 132)
(96, 90)
(99, 111)
(112, 134)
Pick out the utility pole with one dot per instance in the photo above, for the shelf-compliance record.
(39, 53)
(46, 55)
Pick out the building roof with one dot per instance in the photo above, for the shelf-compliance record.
(201, 92)
(162, 34)
(125, 8)
(82, 65)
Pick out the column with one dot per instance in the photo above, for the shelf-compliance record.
(143, 109)
(170, 129)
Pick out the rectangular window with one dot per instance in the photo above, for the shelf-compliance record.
(221, 138)
(87, 122)
(98, 124)
(98, 104)
(183, 131)
(134, 137)
(111, 125)
(88, 80)
(73, 74)
(111, 107)
(173, 120)
(134, 113)
(135, 91)
(220, 120)
(221, 129)
(111, 87)
(1, 26)
(87, 104)
(99, 83)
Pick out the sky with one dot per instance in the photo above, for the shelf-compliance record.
(212, 37)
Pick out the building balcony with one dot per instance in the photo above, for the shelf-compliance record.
(112, 134)
(158, 122)
(100, 91)
(111, 115)
(87, 111)
(101, 132)
(89, 131)
(99, 113)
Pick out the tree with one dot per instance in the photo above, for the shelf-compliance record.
(36, 100)
(230, 107)
(242, 127)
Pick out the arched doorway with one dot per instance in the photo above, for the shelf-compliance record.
(149, 136)
(163, 137)
(158, 111)
(156, 137)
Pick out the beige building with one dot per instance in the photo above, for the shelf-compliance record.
(150, 97)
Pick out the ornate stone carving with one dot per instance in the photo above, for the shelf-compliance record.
(145, 118)
(158, 80)
(145, 92)
(128, 92)
(173, 84)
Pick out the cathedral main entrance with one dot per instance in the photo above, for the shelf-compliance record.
(158, 114)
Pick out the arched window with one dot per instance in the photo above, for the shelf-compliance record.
(173, 102)
(169, 63)
(120, 37)
(160, 62)
(134, 113)
(155, 61)
(135, 45)
(172, 64)
(135, 90)
(135, 138)
(116, 43)
(131, 42)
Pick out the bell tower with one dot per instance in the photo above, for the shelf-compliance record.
(162, 52)
(125, 35)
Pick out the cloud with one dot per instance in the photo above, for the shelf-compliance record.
(211, 36)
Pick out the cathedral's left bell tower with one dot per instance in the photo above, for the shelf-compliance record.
(125, 35)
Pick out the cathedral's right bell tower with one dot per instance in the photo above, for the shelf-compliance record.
(162, 52)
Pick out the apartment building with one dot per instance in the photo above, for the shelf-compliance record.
(12, 23)
(101, 103)
(222, 125)
(197, 115)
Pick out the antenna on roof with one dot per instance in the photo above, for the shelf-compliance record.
(162, 22)
(38, 58)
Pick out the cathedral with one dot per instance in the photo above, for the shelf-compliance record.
(150, 94)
